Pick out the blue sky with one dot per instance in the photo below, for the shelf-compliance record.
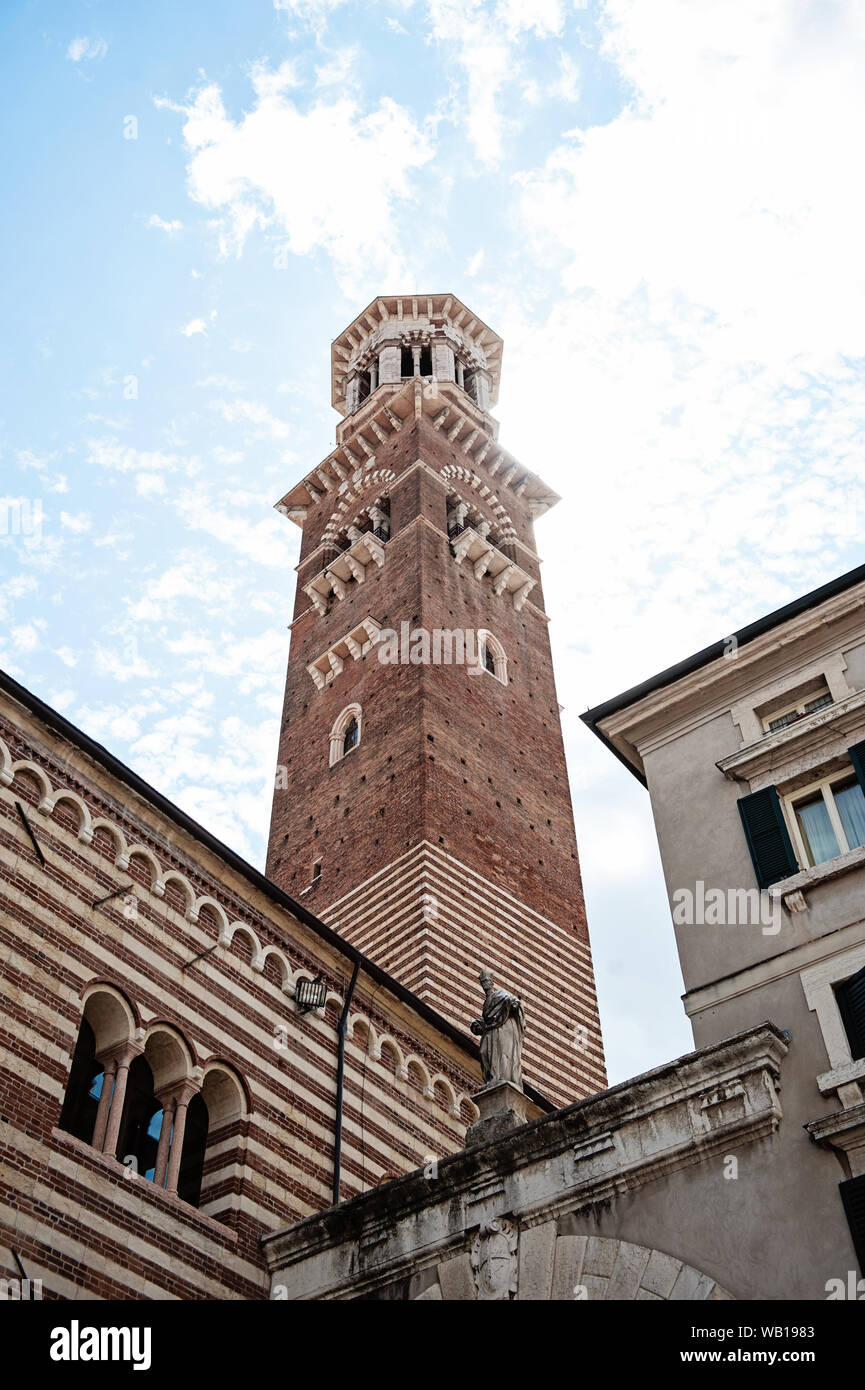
(660, 209)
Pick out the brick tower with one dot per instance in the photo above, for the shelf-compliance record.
(422, 804)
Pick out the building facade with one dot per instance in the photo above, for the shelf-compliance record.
(738, 1171)
(422, 802)
(165, 1100)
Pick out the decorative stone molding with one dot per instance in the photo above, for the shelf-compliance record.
(352, 646)
(486, 559)
(350, 566)
(801, 747)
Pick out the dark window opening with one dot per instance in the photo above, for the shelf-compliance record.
(364, 383)
(406, 359)
(142, 1120)
(489, 659)
(426, 361)
(86, 1077)
(470, 385)
(316, 868)
(192, 1158)
(350, 737)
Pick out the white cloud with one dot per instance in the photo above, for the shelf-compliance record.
(77, 523)
(81, 50)
(67, 656)
(194, 326)
(265, 170)
(170, 228)
(253, 413)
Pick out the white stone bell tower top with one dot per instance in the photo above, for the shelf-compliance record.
(432, 336)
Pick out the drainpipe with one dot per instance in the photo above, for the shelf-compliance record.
(340, 1079)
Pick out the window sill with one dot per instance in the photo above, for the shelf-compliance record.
(792, 890)
(142, 1186)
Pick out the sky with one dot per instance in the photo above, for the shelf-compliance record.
(659, 207)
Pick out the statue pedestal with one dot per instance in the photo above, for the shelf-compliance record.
(503, 1107)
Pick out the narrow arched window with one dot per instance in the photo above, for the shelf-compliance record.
(141, 1121)
(86, 1077)
(345, 734)
(491, 657)
(194, 1147)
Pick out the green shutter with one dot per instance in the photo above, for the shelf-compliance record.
(851, 1005)
(853, 1197)
(766, 833)
(857, 758)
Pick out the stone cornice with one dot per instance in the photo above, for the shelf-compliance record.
(712, 689)
(814, 734)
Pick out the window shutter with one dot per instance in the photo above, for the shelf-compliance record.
(851, 1005)
(857, 758)
(853, 1197)
(767, 836)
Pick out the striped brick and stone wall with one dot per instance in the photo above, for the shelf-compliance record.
(224, 1026)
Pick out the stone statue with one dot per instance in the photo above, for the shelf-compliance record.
(500, 1028)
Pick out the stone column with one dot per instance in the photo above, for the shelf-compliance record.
(184, 1096)
(415, 357)
(389, 364)
(110, 1065)
(124, 1061)
(373, 375)
(164, 1141)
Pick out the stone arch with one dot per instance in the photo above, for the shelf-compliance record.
(6, 773)
(337, 750)
(168, 1054)
(274, 962)
(363, 1034)
(186, 888)
(488, 642)
(390, 1055)
(593, 1269)
(110, 1015)
(242, 930)
(24, 765)
(361, 482)
(418, 1075)
(218, 911)
(121, 857)
(473, 482)
(139, 851)
(444, 1095)
(85, 828)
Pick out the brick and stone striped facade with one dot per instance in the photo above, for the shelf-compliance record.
(226, 1026)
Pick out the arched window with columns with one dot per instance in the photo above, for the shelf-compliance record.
(345, 734)
(492, 656)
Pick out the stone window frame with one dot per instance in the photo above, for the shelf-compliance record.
(500, 656)
(747, 714)
(828, 781)
(337, 733)
(818, 981)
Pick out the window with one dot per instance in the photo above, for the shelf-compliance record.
(86, 1078)
(406, 362)
(426, 361)
(785, 715)
(316, 870)
(345, 734)
(827, 819)
(491, 656)
(850, 996)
